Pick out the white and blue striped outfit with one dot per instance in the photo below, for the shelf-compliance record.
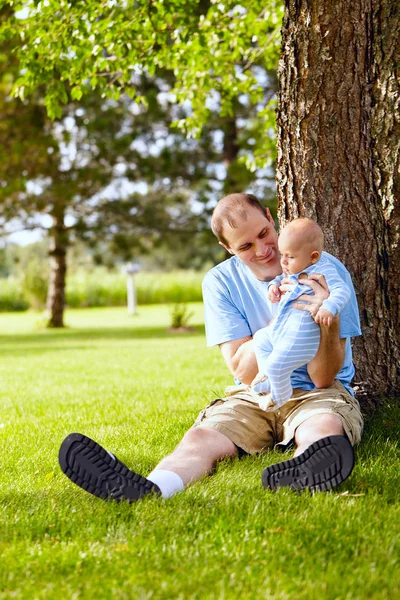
(292, 339)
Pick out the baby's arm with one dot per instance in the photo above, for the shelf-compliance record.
(339, 295)
(274, 293)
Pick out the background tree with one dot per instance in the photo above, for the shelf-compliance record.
(217, 53)
(64, 170)
(65, 188)
(86, 158)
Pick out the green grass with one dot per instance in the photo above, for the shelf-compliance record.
(136, 389)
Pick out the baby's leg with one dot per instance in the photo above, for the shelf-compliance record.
(262, 348)
(295, 345)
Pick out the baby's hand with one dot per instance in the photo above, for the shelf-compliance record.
(274, 293)
(323, 317)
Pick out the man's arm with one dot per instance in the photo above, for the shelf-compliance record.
(329, 359)
(240, 359)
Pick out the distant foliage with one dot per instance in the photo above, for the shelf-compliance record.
(214, 49)
(101, 288)
(163, 288)
(12, 297)
(35, 283)
(98, 288)
(104, 288)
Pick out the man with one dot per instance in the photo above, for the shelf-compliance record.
(323, 418)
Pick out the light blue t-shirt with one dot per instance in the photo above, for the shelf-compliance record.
(236, 305)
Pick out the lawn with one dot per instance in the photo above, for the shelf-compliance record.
(136, 389)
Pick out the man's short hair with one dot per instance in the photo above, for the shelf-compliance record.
(231, 210)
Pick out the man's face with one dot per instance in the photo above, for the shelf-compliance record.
(255, 243)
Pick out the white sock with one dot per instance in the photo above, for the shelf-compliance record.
(169, 482)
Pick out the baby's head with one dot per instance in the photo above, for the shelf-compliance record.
(300, 245)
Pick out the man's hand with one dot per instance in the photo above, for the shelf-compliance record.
(321, 292)
(324, 317)
(274, 293)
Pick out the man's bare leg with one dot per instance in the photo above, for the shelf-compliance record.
(100, 473)
(198, 452)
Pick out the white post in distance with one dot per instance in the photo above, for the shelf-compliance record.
(130, 270)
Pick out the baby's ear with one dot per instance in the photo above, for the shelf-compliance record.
(315, 256)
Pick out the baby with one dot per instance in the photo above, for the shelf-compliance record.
(292, 339)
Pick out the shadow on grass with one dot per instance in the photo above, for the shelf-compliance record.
(65, 336)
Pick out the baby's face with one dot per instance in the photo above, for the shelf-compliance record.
(294, 257)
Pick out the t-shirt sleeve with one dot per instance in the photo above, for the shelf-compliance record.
(223, 320)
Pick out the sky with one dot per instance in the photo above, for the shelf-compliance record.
(23, 238)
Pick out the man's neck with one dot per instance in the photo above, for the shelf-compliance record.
(263, 274)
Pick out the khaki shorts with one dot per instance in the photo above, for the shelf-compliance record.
(253, 430)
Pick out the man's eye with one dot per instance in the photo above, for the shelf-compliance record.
(263, 233)
(244, 248)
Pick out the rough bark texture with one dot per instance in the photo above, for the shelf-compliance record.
(58, 269)
(338, 157)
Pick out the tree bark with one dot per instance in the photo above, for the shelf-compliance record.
(338, 157)
(58, 270)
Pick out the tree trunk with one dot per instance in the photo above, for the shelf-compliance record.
(58, 269)
(338, 157)
(230, 153)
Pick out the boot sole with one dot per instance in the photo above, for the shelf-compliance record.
(323, 466)
(89, 465)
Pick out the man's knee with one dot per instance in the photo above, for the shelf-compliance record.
(318, 427)
(207, 441)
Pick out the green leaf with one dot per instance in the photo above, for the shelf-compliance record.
(76, 93)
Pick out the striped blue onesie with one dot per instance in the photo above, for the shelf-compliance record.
(292, 339)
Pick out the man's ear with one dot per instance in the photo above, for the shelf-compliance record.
(269, 217)
(315, 256)
(226, 248)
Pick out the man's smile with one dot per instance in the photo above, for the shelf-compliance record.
(267, 257)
